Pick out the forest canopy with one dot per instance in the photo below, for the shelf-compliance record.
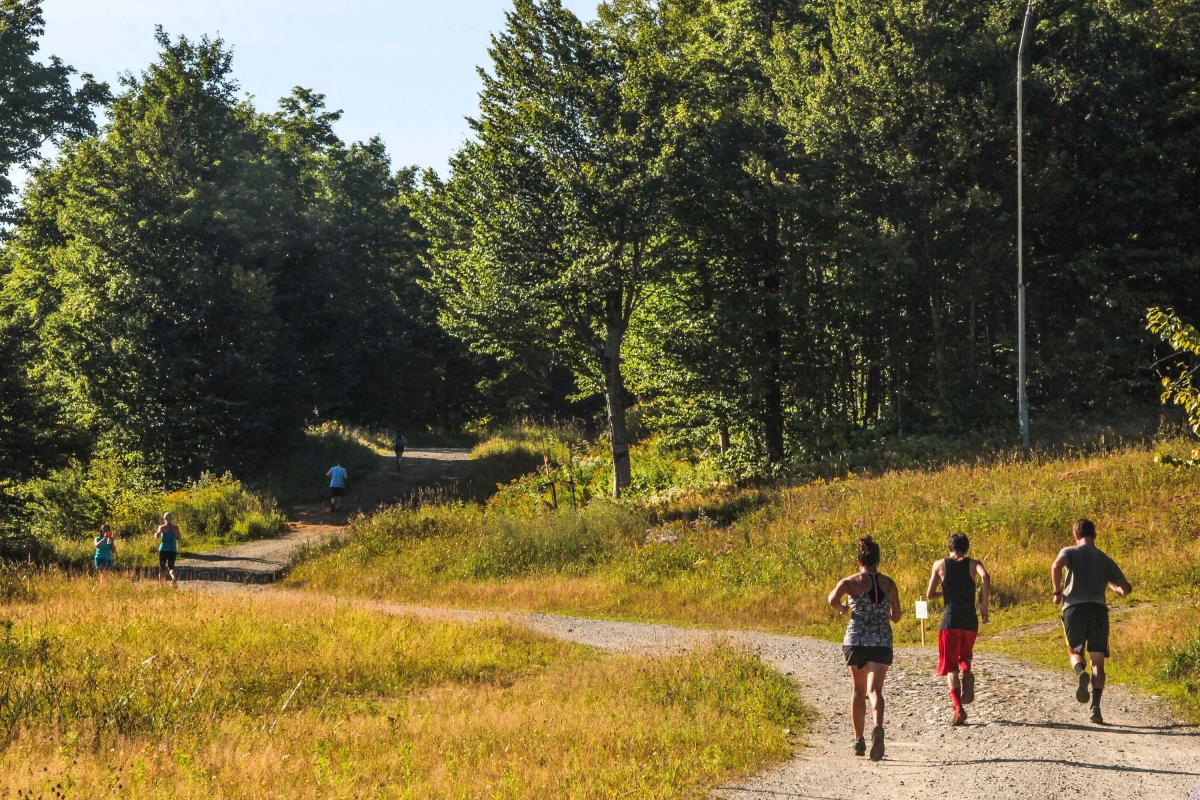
(775, 228)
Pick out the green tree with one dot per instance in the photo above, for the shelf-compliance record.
(1178, 384)
(549, 231)
(37, 103)
(37, 106)
(144, 264)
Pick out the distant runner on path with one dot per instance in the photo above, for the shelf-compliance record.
(399, 442)
(874, 603)
(337, 485)
(168, 547)
(106, 550)
(955, 574)
(1085, 610)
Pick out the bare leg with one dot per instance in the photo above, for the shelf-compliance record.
(1097, 670)
(858, 701)
(875, 676)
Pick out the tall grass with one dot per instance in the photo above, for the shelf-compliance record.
(126, 689)
(772, 566)
(536, 467)
(212, 512)
(298, 476)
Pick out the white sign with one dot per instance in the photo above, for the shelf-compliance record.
(922, 609)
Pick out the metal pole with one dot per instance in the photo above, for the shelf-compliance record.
(1022, 399)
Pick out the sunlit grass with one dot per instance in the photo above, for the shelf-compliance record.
(130, 690)
(1155, 646)
(772, 567)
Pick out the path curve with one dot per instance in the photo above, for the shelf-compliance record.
(1027, 738)
(266, 560)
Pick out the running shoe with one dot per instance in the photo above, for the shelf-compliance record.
(959, 717)
(860, 747)
(877, 743)
(1082, 694)
(1097, 717)
(968, 687)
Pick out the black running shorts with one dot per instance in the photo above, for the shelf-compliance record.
(166, 559)
(1086, 628)
(858, 657)
(337, 491)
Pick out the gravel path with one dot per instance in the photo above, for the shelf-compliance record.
(1027, 737)
(267, 560)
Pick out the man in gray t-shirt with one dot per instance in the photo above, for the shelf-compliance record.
(1085, 611)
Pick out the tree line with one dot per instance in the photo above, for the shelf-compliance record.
(785, 224)
(191, 281)
(778, 228)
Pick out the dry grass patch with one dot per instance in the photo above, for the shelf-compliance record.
(772, 567)
(129, 690)
(1155, 646)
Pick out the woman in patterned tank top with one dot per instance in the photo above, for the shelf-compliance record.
(873, 603)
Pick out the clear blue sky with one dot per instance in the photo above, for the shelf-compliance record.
(403, 69)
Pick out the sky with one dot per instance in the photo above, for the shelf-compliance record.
(403, 70)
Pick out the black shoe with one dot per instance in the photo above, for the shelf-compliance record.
(1082, 694)
(877, 743)
(1097, 717)
(860, 747)
(968, 688)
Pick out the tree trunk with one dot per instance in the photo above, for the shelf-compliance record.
(723, 435)
(614, 395)
(773, 423)
(937, 334)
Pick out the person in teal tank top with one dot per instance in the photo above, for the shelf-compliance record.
(168, 547)
(106, 550)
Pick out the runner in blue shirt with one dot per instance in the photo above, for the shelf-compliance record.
(168, 547)
(106, 550)
(337, 485)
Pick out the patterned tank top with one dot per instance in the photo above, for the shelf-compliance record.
(870, 625)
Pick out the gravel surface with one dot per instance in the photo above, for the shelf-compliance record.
(1027, 737)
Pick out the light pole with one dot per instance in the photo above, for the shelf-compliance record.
(1022, 399)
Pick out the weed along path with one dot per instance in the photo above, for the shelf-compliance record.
(1027, 738)
(266, 560)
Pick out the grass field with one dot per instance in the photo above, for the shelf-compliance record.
(124, 689)
(211, 513)
(772, 565)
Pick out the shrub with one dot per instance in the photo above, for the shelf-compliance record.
(300, 476)
(257, 525)
(1183, 661)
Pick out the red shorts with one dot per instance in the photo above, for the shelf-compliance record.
(955, 650)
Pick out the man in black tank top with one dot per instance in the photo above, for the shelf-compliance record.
(955, 574)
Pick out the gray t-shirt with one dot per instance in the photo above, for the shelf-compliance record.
(1089, 572)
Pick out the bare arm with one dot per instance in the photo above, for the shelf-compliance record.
(985, 591)
(894, 596)
(1056, 570)
(835, 597)
(935, 580)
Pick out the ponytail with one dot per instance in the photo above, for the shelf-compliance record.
(868, 552)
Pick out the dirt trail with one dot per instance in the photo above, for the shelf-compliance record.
(266, 560)
(1027, 737)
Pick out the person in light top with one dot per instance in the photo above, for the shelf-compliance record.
(337, 485)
